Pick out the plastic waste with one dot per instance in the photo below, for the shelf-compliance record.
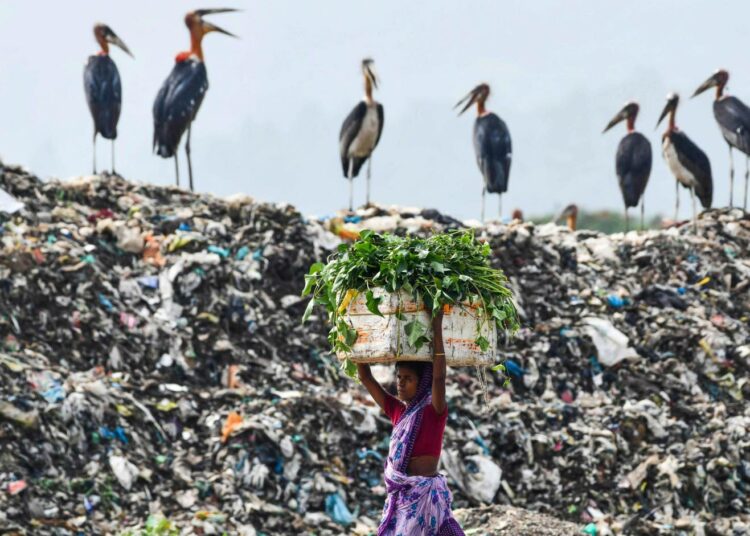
(337, 510)
(612, 345)
(125, 471)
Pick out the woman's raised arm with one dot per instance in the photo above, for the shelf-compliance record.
(376, 390)
(438, 365)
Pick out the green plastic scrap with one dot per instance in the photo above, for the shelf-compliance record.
(590, 529)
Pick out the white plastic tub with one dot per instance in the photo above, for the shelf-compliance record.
(383, 339)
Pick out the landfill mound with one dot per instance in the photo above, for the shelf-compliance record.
(154, 371)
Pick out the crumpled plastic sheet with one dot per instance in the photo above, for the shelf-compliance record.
(134, 320)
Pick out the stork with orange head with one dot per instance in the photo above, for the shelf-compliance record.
(182, 93)
(101, 82)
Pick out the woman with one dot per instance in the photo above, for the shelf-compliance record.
(418, 502)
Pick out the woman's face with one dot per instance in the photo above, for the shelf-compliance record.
(406, 383)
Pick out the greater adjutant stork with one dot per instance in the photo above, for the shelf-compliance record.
(182, 93)
(689, 165)
(491, 145)
(101, 81)
(633, 160)
(360, 132)
(570, 213)
(733, 117)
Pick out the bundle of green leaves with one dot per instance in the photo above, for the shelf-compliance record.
(443, 269)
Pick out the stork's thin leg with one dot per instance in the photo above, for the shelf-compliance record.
(731, 178)
(676, 200)
(176, 170)
(747, 176)
(627, 222)
(500, 207)
(190, 164)
(94, 152)
(369, 165)
(351, 185)
(695, 221)
(484, 190)
(113, 158)
(643, 203)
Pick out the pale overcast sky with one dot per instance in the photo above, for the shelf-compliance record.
(269, 125)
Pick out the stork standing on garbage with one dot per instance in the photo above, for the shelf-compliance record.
(181, 95)
(633, 160)
(491, 145)
(360, 132)
(570, 213)
(101, 82)
(733, 117)
(689, 165)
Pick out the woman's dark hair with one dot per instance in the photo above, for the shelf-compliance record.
(415, 366)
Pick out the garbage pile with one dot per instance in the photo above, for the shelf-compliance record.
(155, 371)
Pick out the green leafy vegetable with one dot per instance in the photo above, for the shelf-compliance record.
(483, 343)
(372, 303)
(443, 269)
(416, 333)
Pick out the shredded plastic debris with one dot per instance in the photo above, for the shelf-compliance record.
(135, 320)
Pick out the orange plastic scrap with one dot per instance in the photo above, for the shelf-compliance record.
(348, 234)
(339, 228)
(233, 381)
(233, 421)
(152, 251)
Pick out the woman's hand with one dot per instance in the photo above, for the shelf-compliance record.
(363, 370)
(376, 391)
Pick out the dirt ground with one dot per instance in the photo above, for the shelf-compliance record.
(498, 520)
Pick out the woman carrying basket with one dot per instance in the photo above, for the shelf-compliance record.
(418, 502)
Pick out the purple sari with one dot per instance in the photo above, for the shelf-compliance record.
(416, 505)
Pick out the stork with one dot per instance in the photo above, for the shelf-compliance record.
(491, 145)
(181, 95)
(733, 117)
(633, 160)
(360, 132)
(689, 165)
(570, 213)
(101, 82)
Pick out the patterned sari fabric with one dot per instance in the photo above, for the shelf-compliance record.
(416, 505)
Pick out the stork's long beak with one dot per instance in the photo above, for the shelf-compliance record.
(566, 212)
(669, 107)
(115, 40)
(214, 11)
(209, 27)
(373, 76)
(621, 116)
(469, 99)
(559, 216)
(711, 82)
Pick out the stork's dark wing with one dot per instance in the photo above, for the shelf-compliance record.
(101, 82)
(381, 122)
(733, 117)
(493, 150)
(177, 104)
(696, 162)
(349, 130)
(633, 166)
